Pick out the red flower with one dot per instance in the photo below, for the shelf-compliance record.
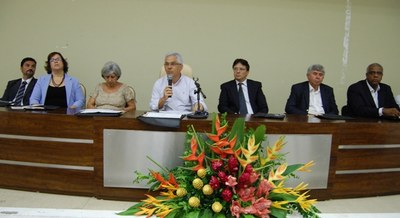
(222, 177)
(233, 164)
(214, 183)
(244, 180)
(227, 195)
(216, 164)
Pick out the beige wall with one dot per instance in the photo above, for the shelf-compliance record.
(279, 38)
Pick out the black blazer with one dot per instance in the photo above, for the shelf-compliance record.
(360, 102)
(229, 97)
(12, 89)
(299, 99)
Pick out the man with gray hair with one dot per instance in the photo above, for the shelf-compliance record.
(312, 97)
(175, 91)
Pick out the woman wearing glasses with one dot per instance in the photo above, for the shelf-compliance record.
(57, 88)
(112, 94)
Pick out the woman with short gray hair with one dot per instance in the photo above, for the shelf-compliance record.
(112, 94)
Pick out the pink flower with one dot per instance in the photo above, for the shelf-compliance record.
(222, 177)
(227, 195)
(263, 188)
(253, 177)
(233, 165)
(214, 183)
(216, 164)
(231, 182)
(235, 209)
(246, 194)
(261, 206)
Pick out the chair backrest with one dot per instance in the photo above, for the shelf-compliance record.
(133, 91)
(83, 90)
(186, 70)
(345, 111)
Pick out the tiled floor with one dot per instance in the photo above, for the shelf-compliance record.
(21, 204)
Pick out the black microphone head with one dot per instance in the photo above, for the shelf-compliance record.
(169, 77)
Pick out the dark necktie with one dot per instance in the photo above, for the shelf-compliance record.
(20, 93)
(242, 101)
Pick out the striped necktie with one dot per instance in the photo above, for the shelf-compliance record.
(242, 101)
(20, 93)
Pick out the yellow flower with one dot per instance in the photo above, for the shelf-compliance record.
(272, 152)
(201, 173)
(216, 207)
(194, 202)
(248, 153)
(146, 211)
(197, 183)
(304, 203)
(277, 175)
(305, 167)
(278, 204)
(164, 211)
(180, 192)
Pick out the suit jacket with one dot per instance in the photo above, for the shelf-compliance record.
(229, 97)
(12, 89)
(360, 102)
(299, 99)
(74, 92)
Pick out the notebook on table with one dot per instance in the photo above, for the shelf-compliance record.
(334, 117)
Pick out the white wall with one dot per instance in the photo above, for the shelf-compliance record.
(279, 38)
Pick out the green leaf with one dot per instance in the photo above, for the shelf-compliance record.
(281, 197)
(172, 214)
(219, 215)
(278, 213)
(132, 210)
(193, 214)
(290, 169)
(206, 213)
(259, 134)
(248, 216)
(238, 130)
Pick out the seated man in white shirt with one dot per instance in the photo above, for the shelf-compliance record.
(312, 96)
(180, 94)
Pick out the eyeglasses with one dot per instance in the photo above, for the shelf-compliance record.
(239, 69)
(171, 64)
(55, 60)
(375, 72)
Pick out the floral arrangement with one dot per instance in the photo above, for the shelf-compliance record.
(226, 174)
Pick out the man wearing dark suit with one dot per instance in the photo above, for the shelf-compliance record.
(312, 97)
(370, 97)
(254, 98)
(28, 67)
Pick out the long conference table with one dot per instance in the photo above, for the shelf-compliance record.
(58, 152)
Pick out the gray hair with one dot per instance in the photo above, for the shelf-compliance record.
(109, 68)
(316, 67)
(178, 56)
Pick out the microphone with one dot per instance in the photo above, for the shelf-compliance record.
(169, 77)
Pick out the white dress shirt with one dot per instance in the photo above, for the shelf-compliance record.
(315, 106)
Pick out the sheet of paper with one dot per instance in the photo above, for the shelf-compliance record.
(164, 115)
(92, 111)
